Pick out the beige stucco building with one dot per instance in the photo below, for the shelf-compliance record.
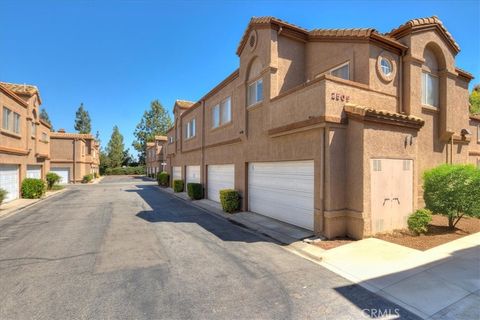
(330, 130)
(155, 156)
(24, 137)
(74, 155)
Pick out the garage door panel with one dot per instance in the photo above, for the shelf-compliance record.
(177, 173)
(193, 174)
(64, 174)
(283, 190)
(34, 171)
(9, 181)
(220, 177)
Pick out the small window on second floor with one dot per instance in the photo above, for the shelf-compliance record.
(429, 89)
(255, 92)
(190, 129)
(6, 119)
(44, 137)
(222, 113)
(16, 123)
(34, 129)
(342, 71)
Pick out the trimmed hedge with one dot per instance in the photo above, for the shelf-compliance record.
(3, 195)
(178, 185)
(33, 188)
(195, 190)
(163, 179)
(52, 179)
(419, 220)
(125, 171)
(87, 178)
(230, 200)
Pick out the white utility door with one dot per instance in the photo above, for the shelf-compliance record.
(64, 174)
(220, 177)
(34, 172)
(9, 181)
(177, 173)
(193, 174)
(391, 193)
(283, 191)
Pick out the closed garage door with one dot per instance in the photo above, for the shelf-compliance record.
(177, 173)
(283, 191)
(34, 172)
(64, 174)
(9, 181)
(193, 174)
(220, 177)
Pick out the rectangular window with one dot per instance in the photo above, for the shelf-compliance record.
(34, 129)
(429, 89)
(170, 139)
(342, 71)
(222, 113)
(6, 119)
(16, 122)
(44, 137)
(255, 92)
(190, 129)
(216, 116)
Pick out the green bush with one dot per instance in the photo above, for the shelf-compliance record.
(419, 220)
(163, 179)
(140, 170)
(87, 178)
(230, 200)
(3, 195)
(96, 175)
(52, 178)
(452, 191)
(195, 190)
(33, 188)
(178, 185)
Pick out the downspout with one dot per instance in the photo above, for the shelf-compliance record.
(323, 179)
(74, 160)
(451, 149)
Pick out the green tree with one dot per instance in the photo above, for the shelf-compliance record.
(104, 161)
(82, 120)
(44, 116)
(155, 121)
(127, 158)
(115, 152)
(475, 100)
(453, 191)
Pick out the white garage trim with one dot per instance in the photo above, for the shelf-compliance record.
(283, 191)
(177, 173)
(220, 177)
(64, 174)
(9, 181)
(34, 171)
(193, 174)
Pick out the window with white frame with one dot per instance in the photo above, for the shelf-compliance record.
(34, 129)
(6, 119)
(44, 137)
(342, 71)
(222, 113)
(16, 122)
(430, 83)
(255, 92)
(190, 129)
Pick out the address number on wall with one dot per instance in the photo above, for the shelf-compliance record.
(339, 97)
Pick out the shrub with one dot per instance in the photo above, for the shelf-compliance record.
(87, 178)
(163, 178)
(3, 195)
(419, 220)
(195, 190)
(178, 185)
(452, 191)
(125, 171)
(33, 188)
(230, 200)
(52, 178)
(96, 175)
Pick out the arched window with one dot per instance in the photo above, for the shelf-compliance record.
(430, 87)
(255, 84)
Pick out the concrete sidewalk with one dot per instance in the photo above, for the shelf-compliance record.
(440, 283)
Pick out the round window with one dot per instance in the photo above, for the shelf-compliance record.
(386, 66)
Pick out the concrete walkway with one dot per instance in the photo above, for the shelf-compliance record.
(440, 283)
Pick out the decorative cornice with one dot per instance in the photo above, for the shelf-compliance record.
(14, 151)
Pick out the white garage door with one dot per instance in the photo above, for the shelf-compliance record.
(64, 174)
(283, 191)
(9, 181)
(220, 177)
(34, 172)
(193, 174)
(391, 193)
(177, 173)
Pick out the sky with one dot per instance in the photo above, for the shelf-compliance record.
(118, 56)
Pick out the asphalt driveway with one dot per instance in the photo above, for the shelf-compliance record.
(122, 249)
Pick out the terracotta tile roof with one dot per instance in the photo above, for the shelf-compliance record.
(360, 33)
(464, 73)
(161, 138)
(184, 104)
(13, 95)
(150, 144)
(378, 114)
(26, 89)
(71, 135)
(421, 23)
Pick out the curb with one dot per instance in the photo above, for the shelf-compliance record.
(299, 247)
